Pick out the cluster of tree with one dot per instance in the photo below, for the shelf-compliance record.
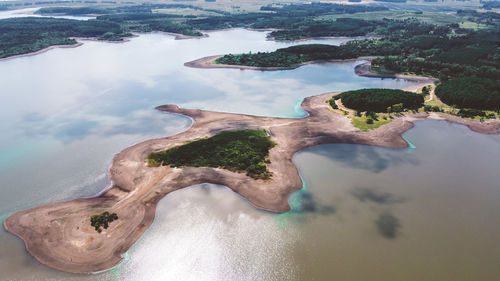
(288, 57)
(441, 70)
(333, 104)
(26, 35)
(470, 92)
(75, 11)
(318, 9)
(287, 17)
(471, 113)
(102, 220)
(489, 18)
(443, 52)
(323, 28)
(143, 8)
(430, 108)
(491, 5)
(245, 150)
(379, 100)
(141, 16)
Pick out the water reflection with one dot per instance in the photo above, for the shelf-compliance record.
(359, 157)
(219, 237)
(365, 194)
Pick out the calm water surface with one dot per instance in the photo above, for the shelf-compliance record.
(70, 110)
(30, 12)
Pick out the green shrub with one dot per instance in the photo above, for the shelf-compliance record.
(102, 220)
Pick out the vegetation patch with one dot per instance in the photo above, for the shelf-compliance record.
(287, 57)
(380, 100)
(242, 151)
(470, 92)
(409, 42)
(26, 35)
(368, 123)
(102, 220)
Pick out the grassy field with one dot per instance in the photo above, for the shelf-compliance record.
(361, 122)
(472, 25)
(428, 17)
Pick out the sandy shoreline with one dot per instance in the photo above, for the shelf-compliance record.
(59, 235)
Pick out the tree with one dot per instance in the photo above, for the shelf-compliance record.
(397, 108)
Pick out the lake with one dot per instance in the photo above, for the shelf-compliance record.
(68, 111)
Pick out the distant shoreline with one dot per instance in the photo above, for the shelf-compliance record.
(361, 69)
(78, 44)
(177, 36)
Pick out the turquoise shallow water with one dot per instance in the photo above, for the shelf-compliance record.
(71, 110)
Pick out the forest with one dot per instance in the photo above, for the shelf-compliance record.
(447, 51)
(379, 100)
(407, 46)
(287, 57)
(240, 151)
(470, 92)
(287, 17)
(26, 35)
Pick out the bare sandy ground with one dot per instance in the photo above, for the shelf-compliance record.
(60, 236)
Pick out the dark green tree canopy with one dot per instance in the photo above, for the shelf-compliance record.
(470, 92)
(245, 150)
(378, 100)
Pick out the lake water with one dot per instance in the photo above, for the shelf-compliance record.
(68, 111)
(30, 12)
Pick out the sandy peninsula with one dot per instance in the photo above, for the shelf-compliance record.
(60, 236)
